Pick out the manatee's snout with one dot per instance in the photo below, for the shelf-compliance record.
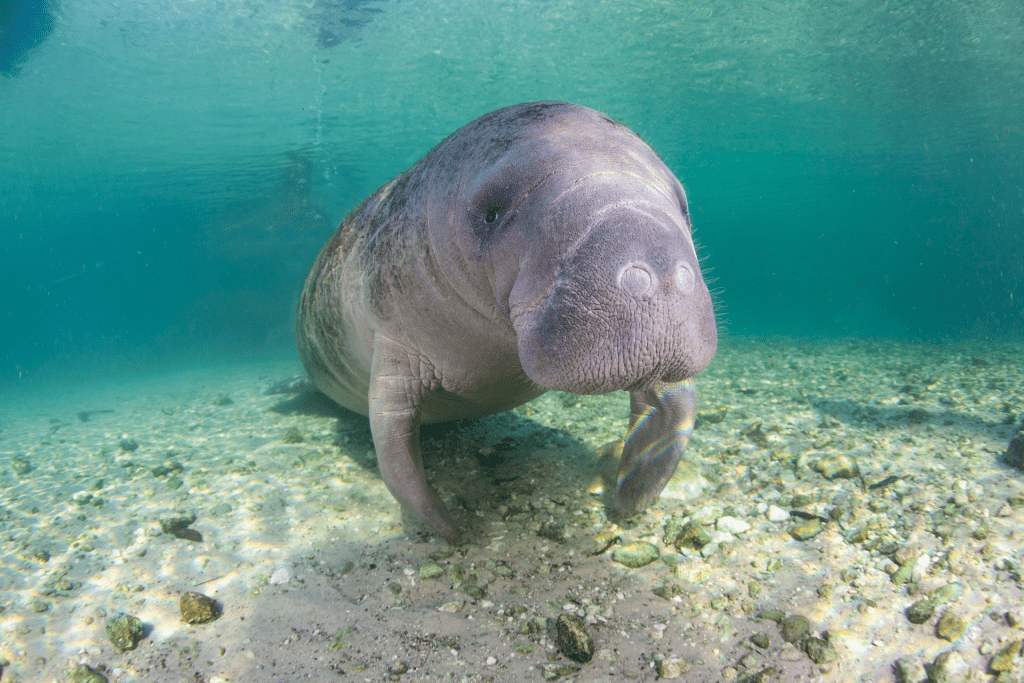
(628, 308)
(639, 279)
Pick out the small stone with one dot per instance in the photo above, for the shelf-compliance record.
(574, 640)
(552, 672)
(452, 607)
(635, 555)
(947, 593)
(949, 667)
(950, 626)
(83, 673)
(281, 576)
(795, 628)
(431, 570)
(764, 676)
(839, 466)
(692, 536)
(918, 416)
(398, 668)
(671, 667)
(909, 670)
(921, 611)
(777, 514)
(293, 435)
(1014, 455)
(21, 465)
(775, 615)
(197, 608)
(761, 640)
(177, 522)
(732, 525)
(124, 631)
(820, 650)
(904, 575)
(807, 530)
(222, 400)
(127, 444)
(1004, 659)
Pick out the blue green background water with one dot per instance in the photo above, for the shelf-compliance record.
(168, 171)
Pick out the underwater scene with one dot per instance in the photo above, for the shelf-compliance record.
(715, 373)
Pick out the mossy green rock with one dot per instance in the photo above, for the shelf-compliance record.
(820, 650)
(431, 570)
(636, 555)
(124, 631)
(197, 608)
(795, 628)
(1004, 659)
(921, 611)
(693, 536)
(950, 626)
(574, 640)
(86, 674)
(807, 529)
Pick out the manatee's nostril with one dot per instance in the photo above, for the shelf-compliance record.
(635, 279)
(686, 278)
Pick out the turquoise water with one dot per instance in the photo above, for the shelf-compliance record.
(168, 171)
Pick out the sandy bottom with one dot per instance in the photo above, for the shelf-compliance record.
(843, 483)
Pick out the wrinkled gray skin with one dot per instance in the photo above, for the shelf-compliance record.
(541, 246)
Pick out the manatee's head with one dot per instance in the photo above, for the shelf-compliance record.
(587, 237)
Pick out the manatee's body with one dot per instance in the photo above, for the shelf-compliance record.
(541, 246)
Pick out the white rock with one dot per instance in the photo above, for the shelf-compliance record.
(732, 525)
(777, 514)
(281, 575)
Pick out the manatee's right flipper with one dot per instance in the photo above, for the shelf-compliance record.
(395, 394)
(660, 424)
(296, 385)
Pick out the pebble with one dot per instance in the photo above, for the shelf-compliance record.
(949, 667)
(692, 536)
(950, 626)
(807, 530)
(83, 673)
(777, 514)
(197, 608)
(635, 555)
(732, 525)
(281, 575)
(1004, 659)
(921, 611)
(670, 667)
(838, 467)
(124, 631)
(574, 640)
(909, 670)
(452, 607)
(431, 570)
(795, 628)
(552, 672)
(820, 650)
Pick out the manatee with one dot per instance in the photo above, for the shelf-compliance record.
(543, 246)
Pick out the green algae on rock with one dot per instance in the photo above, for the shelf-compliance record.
(124, 631)
(636, 555)
(574, 640)
(83, 673)
(197, 608)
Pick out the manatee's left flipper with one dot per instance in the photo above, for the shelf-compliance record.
(660, 424)
(294, 385)
(395, 394)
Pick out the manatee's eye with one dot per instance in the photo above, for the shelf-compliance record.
(492, 212)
